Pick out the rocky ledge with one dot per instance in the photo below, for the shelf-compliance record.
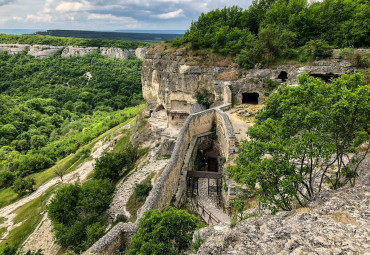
(336, 222)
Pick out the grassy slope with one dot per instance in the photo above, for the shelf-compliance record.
(71, 162)
(29, 215)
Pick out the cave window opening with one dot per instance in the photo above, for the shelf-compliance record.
(250, 98)
(160, 108)
(283, 76)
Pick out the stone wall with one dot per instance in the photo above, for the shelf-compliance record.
(42, 51)
(198, 123)
(117, 238)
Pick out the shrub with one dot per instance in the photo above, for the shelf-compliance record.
(315, 50)
(6, 179)
(142, 190)
(22, 186)
(167, 232)
(203, 96)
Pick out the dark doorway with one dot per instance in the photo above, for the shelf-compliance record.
(250, 98)
(283, 76)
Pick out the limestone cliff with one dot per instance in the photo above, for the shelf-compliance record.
(170, 78)
(42, 51)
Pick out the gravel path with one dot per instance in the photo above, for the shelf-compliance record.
(126, 187)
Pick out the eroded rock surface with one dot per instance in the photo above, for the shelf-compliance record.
(336, 222)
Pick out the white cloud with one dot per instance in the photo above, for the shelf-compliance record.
(17, 18)
(39, 17)
(109, 17)
(69, 6)
(171, 15)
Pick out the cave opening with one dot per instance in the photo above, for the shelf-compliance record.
(160, 108)
(283, 76)
(325, 77)
(250, 98)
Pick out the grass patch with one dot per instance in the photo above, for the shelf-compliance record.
(29, 215)
(7, 196)
(2, 231)
(2, 219)
(137, 199)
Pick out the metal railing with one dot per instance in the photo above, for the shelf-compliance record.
(206, 215)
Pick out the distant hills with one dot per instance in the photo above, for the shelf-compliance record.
(152, 37)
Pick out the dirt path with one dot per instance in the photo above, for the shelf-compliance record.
(239, 125)
(126, 187)
(42, 237)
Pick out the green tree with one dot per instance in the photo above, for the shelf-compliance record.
(301, 134)
(23, 186)
(167, 232)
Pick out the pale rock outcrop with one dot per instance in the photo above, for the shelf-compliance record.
(77, 51)
(13, 48)
(117, 52)
(43, 51)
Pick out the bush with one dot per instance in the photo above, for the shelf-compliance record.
(315, 50)
(142, 190)
(23, 186)
(167, 232)
(6, 179)
(203, 96)
(76, 213)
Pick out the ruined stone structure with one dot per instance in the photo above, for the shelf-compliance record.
(169, 83)
(42, 51)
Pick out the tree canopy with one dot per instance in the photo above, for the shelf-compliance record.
(167, 232)
(304, 139)
(271, 29)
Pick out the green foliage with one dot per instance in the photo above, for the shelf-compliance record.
(204, 97)
(110, 165)
(167, 232)
(302, 129)
(237, 205)
(70, 41)
(273, 29)
(49, 108)
(142, 190)
(6, 179)
(196, 244)
(94, 232)
(315, 50)
(23, 186)
(76, 211)
(358, 59)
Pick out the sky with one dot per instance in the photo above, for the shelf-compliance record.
(106, 14)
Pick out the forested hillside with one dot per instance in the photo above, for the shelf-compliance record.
(279, 29)
(50, 107)
(68, 41)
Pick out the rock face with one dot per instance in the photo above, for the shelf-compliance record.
(169, 81)
(13, 48)
(77, 51)
(337, 222)
(42, 51)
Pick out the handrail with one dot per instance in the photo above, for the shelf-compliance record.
(211, 217)
(225, 209)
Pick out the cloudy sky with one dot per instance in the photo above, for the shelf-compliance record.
(106, 14)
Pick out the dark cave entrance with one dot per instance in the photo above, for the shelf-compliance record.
(250, 98)
(325, 77)
(283, 76)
